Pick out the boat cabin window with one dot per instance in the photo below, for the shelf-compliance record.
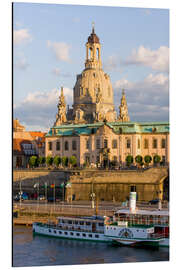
(54, 231)
(84, 234)
(65, 233)
(88, 223)
(69, 221)
(77, 234)
(49, 230)
(76, 222)
(96, 236)
(90, 235)
(71, 233)
(81, 222)
(60, 232)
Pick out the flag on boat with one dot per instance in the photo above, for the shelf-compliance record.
(36, 185)
(52, 185)
(45, 185)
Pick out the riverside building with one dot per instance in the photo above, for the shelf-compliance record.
(92, 131)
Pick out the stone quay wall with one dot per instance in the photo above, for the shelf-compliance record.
(107, 185)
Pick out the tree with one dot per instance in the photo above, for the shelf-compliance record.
(156, 159)
(73, 161)
(57, 161)
(41, 160)
(129, 160)
(33, 161)
(139, 159)
(147, 159)
(65, 161)
(49, 160)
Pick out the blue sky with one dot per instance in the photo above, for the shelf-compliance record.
(49, 51)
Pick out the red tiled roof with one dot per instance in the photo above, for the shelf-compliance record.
(17, 145)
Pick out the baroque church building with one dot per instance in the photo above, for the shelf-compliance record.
(92, 131)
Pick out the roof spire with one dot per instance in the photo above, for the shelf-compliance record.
(93, 24)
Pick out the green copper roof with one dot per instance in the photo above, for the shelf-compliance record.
(117, 127)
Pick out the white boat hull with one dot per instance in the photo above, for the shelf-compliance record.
(69, 234)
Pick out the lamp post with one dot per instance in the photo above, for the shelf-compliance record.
(93, 195)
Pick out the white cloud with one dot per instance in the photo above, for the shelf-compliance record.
(21, 63)
(157, 59)
(56, 71)
(39, 109)
(21, 36)
(148, 100)
(60, 49)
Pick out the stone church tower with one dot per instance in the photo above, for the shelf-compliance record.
(93, 93)
(123, 109)
(61, 115)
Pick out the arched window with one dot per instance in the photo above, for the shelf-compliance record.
(154, 143)
(128, 143)
(98, 144)
(74, 146)
(105, 143)
(109, 91)
(163, 143)
(49, 146)
(66, 146)
(146, 144)
(115, 158)
(57, 146)
(90, 54)
(139, 144)
(97, 53)
(87, 144)
(114, 144)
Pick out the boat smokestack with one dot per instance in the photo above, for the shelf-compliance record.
(132, 199)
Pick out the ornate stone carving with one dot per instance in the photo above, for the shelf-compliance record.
(123, 109)
(61, 115)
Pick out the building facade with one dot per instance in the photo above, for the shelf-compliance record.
(26, 144)
(92, 131)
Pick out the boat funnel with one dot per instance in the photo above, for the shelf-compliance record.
(132, 199)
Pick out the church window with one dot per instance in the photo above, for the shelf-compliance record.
(57, 146)
(66, 146)
(74, 146)
(49, 146)
(128, 143)
(114, 144)
(163, 143)
(154, 143)
(139, 144)
(105, 143)
(98, 144)
(146, 144)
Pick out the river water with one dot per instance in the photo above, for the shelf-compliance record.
(29, 250)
